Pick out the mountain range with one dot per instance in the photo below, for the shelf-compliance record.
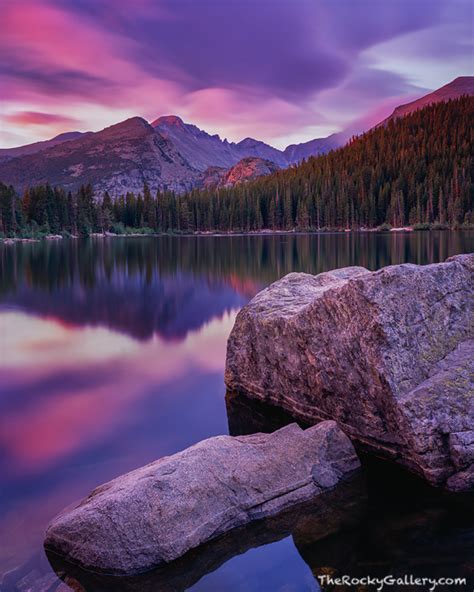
(170, 154)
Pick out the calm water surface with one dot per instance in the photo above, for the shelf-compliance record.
(112, 354)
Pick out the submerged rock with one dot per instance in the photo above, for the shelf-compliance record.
(387, 354)
(337, 510)
(157, 513)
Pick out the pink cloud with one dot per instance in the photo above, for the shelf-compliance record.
(38, 118)
(73, 54)
(102, 62)
(54, 36)
(239, 113)
(56, 58)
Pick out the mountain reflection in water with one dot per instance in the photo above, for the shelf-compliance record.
(112, 354)
(170, 285)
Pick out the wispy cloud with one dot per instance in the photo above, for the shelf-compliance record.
(37, 118)
(270, 69)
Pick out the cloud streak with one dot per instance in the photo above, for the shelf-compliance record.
(37, 118)
(278, 70)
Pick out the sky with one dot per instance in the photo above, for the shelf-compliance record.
(282, 71)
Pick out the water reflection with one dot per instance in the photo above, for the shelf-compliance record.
(170, 286)
(81, 405)
(112, 354)
(407, 526)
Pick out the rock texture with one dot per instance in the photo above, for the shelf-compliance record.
(389, 355)
(157, 513)
(339, 510)
(248, 169)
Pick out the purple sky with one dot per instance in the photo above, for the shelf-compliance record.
(279, 70)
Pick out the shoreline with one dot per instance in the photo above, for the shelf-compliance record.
(106, 235)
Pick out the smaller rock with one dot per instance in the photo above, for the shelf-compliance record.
(159, 512)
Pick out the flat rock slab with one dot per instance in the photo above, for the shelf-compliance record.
(157, 513)
(387, 354)
(339, 510)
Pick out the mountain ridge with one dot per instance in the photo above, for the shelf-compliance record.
(415, 171)
(119, 158)
(295, 153)
(33, 148)
(203, 150)
(462, 85)
(169, 153)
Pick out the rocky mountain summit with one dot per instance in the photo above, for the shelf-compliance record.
(202, 150)
(389, 355)
(118, 159)
(256, 148)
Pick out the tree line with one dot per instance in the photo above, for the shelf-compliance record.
(414, 170)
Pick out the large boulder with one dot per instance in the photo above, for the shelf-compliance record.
(157, 513)
(387, 354)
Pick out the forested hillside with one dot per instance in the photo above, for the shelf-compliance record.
(416, 169)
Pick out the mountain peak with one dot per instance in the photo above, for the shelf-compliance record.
(133, 126)
(248, 142)
(461, 80)
(134, 122)
(67, 136)
(169, 120)
(462, 85)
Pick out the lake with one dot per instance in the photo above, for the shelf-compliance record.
(112, 354)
